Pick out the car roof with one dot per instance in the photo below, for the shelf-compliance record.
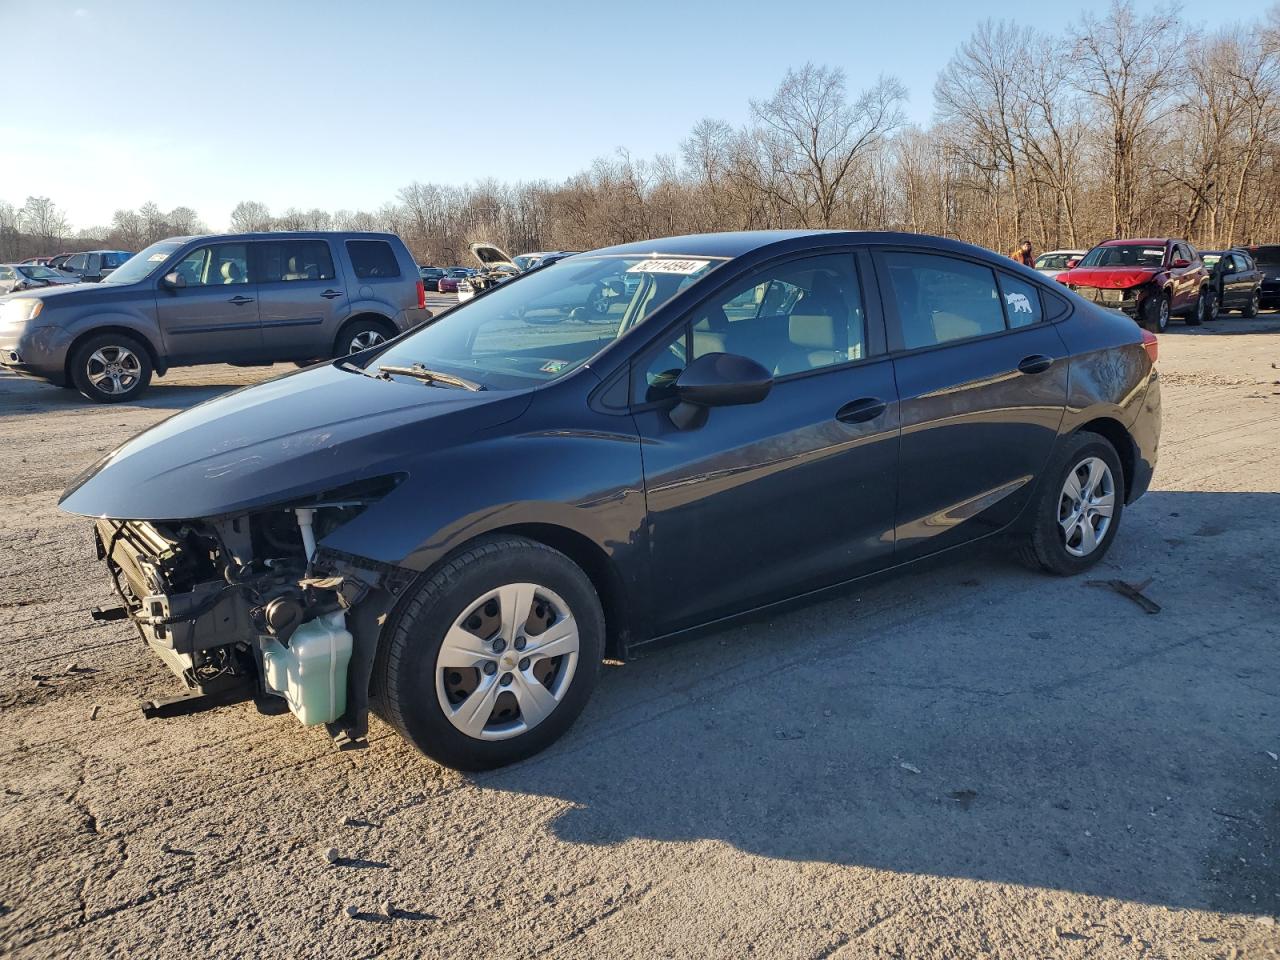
(736, 244)
(1147, 240)
(287, 235)
(1050, 253)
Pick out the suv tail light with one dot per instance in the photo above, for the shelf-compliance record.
(422, 295)
(1151, 345)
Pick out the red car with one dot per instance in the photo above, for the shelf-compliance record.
(449, 282)
(1151, 280)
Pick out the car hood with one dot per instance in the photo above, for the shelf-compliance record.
(303, 433)
(71, 286)
(1109, 278)
(491, 256)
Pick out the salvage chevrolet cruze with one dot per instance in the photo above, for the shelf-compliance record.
(454, 528)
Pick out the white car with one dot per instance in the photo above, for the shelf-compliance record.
(1055, 261)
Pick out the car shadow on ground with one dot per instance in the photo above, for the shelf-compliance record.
(20, 396)
(973, 720)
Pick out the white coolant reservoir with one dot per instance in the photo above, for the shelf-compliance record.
(311, 672)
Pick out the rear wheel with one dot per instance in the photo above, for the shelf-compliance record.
(111, 368)
(1214, 306)
(1077, 509)
(360, 335)
(493, 657)
(1251, 308)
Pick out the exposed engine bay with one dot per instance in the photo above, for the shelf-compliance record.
(232, 604)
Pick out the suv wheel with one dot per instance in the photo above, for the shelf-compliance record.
(111, 368)
(1155, 313)
(1198, 312)
(1077, 507)
(359, 335)
(492, 658)
(1213, 307)
(1251, 309)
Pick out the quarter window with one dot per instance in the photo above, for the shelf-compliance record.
(223, 263)
(373, 259)
(940, 299)
(1021, 301)
(286, 260)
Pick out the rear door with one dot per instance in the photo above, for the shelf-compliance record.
(767, 500)
(982, 383)
(214, 318)
(1238, 281)
(301, 299)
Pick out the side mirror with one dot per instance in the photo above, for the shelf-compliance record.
(174, 281)
(1073, 263)
(717, 380)
(1180, 263)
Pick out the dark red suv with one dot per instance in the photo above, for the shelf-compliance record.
(1151, 280)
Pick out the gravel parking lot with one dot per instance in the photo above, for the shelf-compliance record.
(971, 761)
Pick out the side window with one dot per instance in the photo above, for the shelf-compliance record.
(223, 263)
(940, 299)
(798, 316)
(1021, 301)
(6, 273)
(294, 260)
(77, 262)
(372, 259)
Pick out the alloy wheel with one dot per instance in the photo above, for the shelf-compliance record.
(507, 662)
(113, 370)
(366, 339)
(1163, 320)
(1086, 505)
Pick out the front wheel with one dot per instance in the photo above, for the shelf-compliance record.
(492, 658)
(1077, 507)
(1155, 313)
(111, 368)
(1251, 308)
(1213, 307)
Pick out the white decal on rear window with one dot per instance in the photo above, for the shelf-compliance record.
(157, 257)
(682, 267)
(1019, 302)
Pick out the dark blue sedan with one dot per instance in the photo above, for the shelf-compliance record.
(618, 450)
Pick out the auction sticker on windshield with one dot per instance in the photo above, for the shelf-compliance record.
(682, 267)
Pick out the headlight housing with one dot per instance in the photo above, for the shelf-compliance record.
(21, 309)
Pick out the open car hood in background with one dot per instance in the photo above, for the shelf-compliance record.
(1109, 278)
(492, 257)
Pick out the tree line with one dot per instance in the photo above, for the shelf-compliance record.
(1132, 123)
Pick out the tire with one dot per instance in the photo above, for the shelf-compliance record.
(111, 368)
(426, 697)
(1213, 306)
(1049, 544)
(1251, 309)
(1155, 313)
(360, 335)
(1198, 312)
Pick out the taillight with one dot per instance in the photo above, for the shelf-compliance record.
(422, 295)
(1151, 345)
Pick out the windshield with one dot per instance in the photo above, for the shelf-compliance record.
(41, 273)
(1125, 255)
(538, 328)
(142, 265)
(1266, 256)
(1210, 258)
(525, 261)
(1053, 261)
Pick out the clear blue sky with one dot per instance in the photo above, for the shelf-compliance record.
(338, 104)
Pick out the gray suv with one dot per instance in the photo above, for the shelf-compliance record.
(245, 299)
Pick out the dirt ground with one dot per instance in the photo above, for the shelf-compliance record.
(971, 761)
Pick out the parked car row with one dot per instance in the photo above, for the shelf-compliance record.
(29, 276)
(244, 299)
(87, 267)
(1155, 279)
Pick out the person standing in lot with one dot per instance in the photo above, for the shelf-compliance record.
(1023, 254)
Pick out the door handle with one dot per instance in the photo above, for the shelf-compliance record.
(240, 301)
(330, 294)
(860, 411)
(1036, 363)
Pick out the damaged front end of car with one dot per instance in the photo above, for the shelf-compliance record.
(246, 606)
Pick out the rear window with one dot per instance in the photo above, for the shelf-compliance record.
(114, 260)
(283, 260)
(373, 259)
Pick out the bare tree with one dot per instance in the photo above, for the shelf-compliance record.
(250, 216)
(41, 218)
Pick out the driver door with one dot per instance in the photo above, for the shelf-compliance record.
(765, 501)
(214, 318)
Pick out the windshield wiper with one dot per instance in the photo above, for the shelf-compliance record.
(419, 372)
